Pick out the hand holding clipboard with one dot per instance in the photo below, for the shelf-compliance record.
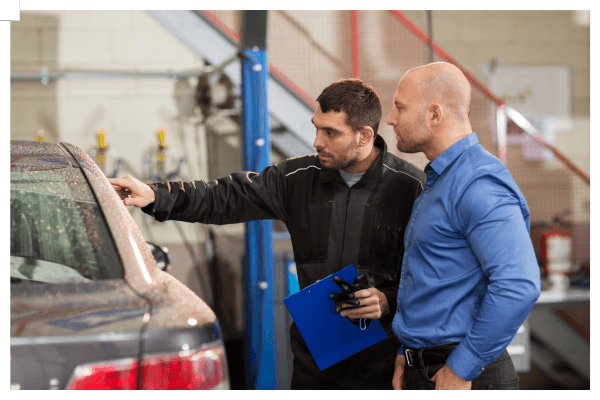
(347, 297)
(329, 336)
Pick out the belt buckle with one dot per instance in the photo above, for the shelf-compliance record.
(408, 357)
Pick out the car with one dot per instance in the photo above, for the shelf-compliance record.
(89, 306)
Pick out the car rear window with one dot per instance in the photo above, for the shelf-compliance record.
(57, 231)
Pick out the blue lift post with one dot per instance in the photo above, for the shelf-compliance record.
(259, 335)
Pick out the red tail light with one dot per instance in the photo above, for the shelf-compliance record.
(194, 369)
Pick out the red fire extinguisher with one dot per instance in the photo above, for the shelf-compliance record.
(556, 248)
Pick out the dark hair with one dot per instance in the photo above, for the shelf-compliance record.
(356, 98)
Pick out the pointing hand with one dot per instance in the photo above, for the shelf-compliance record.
(132, 191)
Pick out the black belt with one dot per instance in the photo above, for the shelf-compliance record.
(427, 356)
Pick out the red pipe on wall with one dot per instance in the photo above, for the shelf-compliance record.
(415, 29)
(355, 53)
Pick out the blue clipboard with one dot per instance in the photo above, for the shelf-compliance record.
(329, 336)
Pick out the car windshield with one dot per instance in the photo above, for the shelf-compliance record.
(57, 231)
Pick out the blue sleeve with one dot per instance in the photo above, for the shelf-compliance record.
(494, 220)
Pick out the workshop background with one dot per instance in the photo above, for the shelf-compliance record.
(128, 88)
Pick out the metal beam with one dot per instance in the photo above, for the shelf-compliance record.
(254, 29)
(45, 75)
(430, 34)
(258, 280)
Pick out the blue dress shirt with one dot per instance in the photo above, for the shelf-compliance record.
(469, 272)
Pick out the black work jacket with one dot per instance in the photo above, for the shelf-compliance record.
(331, 225)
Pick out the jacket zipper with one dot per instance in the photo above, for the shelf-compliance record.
(345, 222)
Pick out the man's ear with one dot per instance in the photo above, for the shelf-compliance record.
(436, 114)
(366, 134)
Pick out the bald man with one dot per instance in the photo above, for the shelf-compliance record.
(469, 275)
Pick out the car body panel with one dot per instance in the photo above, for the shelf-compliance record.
(56, 327)
(67, 309)
(25, 155)
(141, 271)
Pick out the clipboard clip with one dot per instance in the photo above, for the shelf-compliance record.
(363, 324)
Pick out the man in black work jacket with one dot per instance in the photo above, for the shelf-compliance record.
(347, 204)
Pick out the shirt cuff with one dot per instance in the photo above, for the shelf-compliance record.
(391, 296)
(464, 362)
(401, 349)
(149, 209)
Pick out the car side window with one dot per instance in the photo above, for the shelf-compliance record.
(58, 233)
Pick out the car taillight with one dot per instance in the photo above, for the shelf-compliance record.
(194, 369)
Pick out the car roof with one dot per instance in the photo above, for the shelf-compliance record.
(29, 155)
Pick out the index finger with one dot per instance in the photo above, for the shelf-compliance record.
(361, 294)
(341, 283)
(121, 182)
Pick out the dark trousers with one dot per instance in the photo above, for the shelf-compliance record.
(499, 375)
(370, 369)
